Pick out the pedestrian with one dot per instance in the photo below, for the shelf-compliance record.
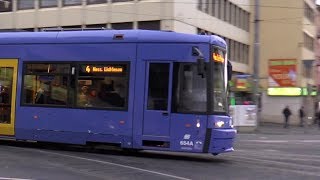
(287, 113)
(301, 115)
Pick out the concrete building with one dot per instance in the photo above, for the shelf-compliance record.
(230, 19)
(286, 59)
(227, 18)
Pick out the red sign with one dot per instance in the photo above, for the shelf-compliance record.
(282, 72)
(241, 83)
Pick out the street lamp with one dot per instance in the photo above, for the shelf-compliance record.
(256, 60)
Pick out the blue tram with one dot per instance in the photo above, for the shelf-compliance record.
(134, 88)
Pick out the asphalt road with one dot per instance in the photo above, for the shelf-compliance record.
(257, 156)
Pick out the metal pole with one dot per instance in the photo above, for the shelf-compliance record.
(310, 103)
(317, 60)
(256, 55)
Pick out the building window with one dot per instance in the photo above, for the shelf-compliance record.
(103, 86)
(233, 14)
(45, 84)
(243, 53)
(25, 4)
(72, 28)
(247, 21)
(240, 13)
(96, 26)
(48, 3)
(213, 7)
(237, 52)
(308, 42)
(49, 29)
(72, 2)
(6, 6)
(218, 9)
(6, 30)
(200, 5)
(119, 26)
(246, 54)
(227, 11)
(228, 44)
(115, 1)
(232, 50)
(238, 18)
(206, 6)
(96, 1)
(240, 52)
(222, 9)
(308, 12)
(27, 30)
(241, 22)
(17, 30)
(149, 25)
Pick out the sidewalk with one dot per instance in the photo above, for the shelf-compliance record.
(277, 129)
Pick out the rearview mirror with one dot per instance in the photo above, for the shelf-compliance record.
(200, 66)
(200, 60)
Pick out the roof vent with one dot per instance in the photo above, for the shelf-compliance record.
(118, 37)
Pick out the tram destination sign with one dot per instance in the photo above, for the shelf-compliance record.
(103, 68)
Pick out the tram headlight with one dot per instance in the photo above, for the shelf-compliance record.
(219, 124)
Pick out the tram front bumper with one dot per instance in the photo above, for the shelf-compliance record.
(222, 140)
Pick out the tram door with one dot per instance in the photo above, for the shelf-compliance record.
(157, 104)
(8, 84)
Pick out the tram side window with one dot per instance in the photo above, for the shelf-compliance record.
(45, 84)
(103, 86)
(190, 89)
(158, 86)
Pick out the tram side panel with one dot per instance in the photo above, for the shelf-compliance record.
(72, 124)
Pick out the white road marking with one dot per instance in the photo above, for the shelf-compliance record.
(277, 157)
(275, 153)
(271, 150)
(4, 178)
(266, 141)
(282, 141)
(288, 164)
(312, 170)
(311, 141)
(280, 169)
(113, 164)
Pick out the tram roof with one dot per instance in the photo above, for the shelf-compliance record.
(106, 36)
